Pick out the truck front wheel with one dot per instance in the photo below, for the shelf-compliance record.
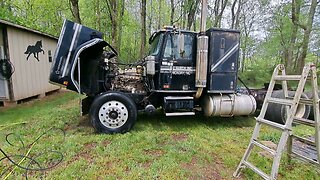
(113, 112)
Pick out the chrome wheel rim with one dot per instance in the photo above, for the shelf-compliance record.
(113, 114)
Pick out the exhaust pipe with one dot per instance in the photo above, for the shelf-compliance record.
(202, 53)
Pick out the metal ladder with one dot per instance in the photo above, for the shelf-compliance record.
(279, 74)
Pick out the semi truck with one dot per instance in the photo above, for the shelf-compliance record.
(184, 73)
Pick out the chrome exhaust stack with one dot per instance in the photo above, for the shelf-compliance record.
(202, 53)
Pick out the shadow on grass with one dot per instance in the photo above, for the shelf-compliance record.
(160, 122)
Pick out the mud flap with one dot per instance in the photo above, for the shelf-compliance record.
(85, 105)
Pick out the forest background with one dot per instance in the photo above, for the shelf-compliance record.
(272, 31)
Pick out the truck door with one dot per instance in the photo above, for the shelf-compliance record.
(177, 67)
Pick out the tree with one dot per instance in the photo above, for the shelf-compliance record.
(235, 13)
(191, 7)
(247, 20)
(172, 11)
(116, 12)
(307, 31)
(295, 32)
(160, 9)
(219, 7)
(75, 10)
(143, 28)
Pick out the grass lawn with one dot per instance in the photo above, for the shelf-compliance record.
(157, 147)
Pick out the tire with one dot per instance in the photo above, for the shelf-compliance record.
(113, 112)
(310, 96)
(276, 112)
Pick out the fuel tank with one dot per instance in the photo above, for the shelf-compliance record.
(228, 105)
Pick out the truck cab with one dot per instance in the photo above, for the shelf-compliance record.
(174, 54)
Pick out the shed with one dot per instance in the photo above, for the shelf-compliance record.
(30, 54)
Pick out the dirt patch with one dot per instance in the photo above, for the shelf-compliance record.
(146, 165)
(180, 137)
(85, 153)
(84, 121)
(69, 127)
(82, 154)
(89, 146)
(154, 152)
(206, 169)
(105, 143)
(108, 165)
(197, 171)
(265, 153)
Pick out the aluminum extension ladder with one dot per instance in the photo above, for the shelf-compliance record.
(309, 72)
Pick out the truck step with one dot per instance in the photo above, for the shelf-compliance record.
(180, 114)
(178, 98)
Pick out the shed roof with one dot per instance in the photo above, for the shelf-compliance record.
(27, 29)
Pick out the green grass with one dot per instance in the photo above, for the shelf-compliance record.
(157, 147)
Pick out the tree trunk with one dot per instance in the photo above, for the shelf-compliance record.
(143, 29)
(75, 10)
(150, 18)
(116, 12)
(220, 6)
(235, 14)
(172, 12)
(120, 15)
(289, 52)
(192, 8)
(159, 13)
(98, 14)
(113, 12)
(183, 14)
(306, 35)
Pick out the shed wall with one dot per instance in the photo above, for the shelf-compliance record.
(31, 77)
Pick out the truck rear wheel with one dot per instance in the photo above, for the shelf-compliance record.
(113, 113)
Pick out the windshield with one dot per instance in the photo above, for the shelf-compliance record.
(175, 48)
(155, 45)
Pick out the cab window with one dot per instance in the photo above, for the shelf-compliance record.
(177, 48)
(155, 45)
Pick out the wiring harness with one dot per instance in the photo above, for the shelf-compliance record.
(28, 159)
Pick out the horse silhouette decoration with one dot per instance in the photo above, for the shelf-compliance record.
(35, 50)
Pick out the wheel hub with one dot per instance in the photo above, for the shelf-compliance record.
(113, 114)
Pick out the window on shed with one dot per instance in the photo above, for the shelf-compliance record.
(49, 56)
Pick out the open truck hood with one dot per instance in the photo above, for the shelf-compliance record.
(74, 39)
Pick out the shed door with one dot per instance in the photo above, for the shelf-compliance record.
(3, 88)
(3, 82)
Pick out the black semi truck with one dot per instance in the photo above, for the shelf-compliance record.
(184, 73)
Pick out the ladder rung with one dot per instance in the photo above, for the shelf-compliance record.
(272, 124)
(306, 141)
(255, 169)
(280, 101)
(271, 151)
(287, 77)
(306, 158)
(304, 121)
(303, 101)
